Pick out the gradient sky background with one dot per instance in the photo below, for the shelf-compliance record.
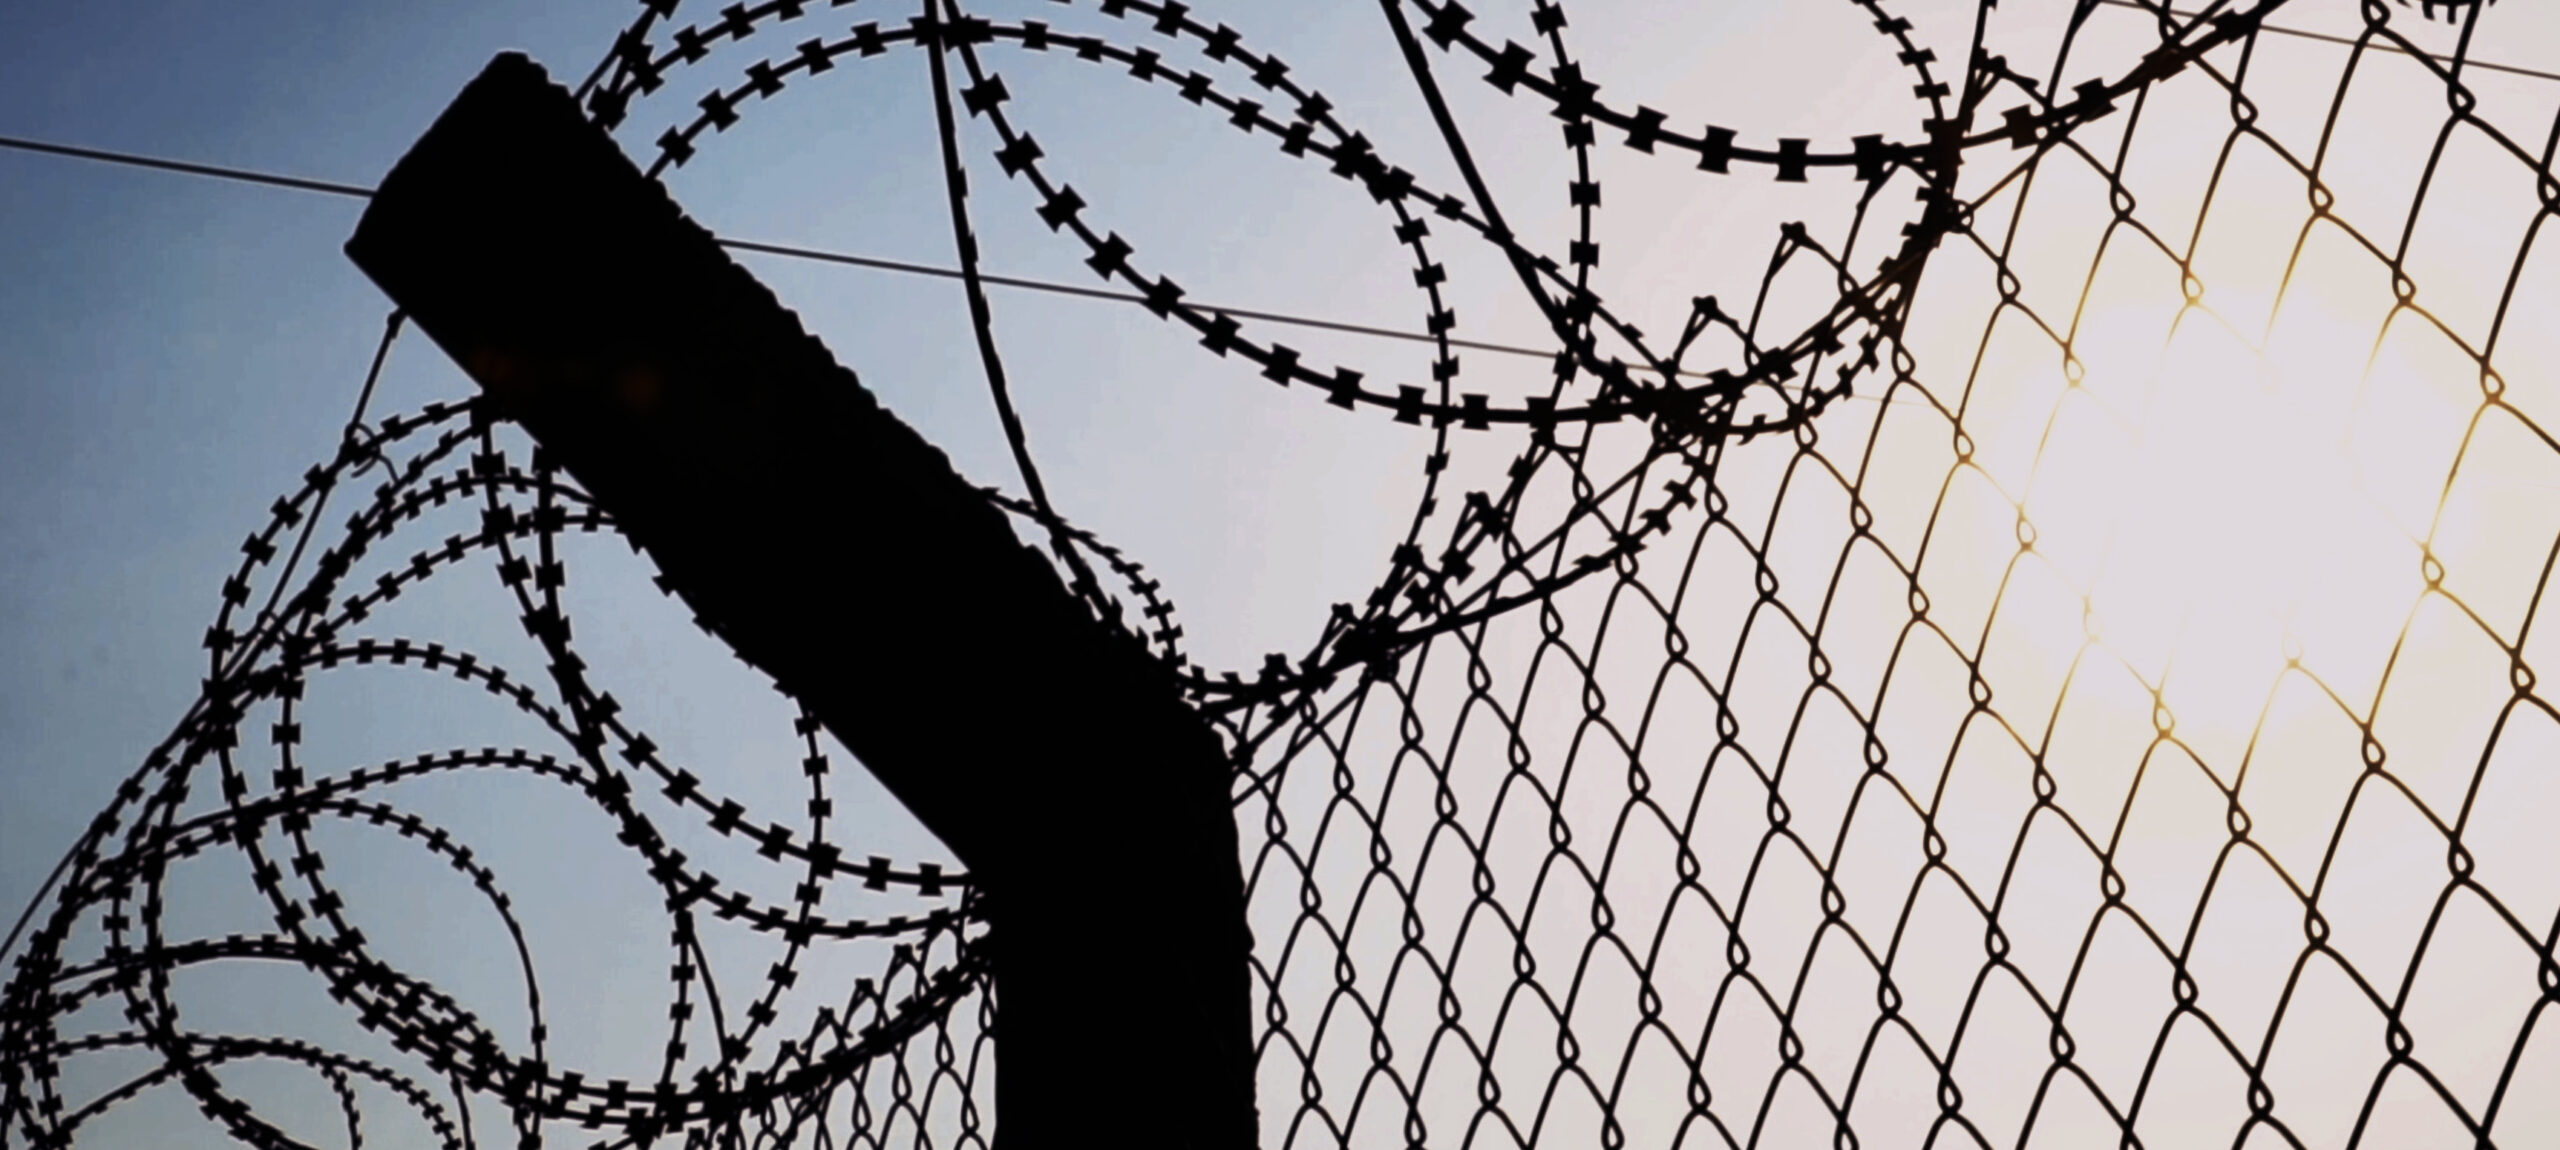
(174, 352)
(178, 346)
(182, 349)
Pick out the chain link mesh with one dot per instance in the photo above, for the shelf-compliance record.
(2082, 695)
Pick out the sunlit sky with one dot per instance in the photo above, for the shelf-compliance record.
(2251, 516)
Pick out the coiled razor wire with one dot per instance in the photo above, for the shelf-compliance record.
(1502, 894)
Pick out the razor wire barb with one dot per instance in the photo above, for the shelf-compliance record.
(1413, 986)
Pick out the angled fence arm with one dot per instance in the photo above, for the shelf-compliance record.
(835, 549)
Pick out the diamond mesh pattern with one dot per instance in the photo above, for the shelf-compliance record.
(2074, 685)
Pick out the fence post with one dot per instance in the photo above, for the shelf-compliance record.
(835, 549)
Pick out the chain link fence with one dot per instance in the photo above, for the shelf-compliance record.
(2056, 668)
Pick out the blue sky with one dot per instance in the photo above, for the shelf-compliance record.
(177, 345)
(174, 352)
(181, 349)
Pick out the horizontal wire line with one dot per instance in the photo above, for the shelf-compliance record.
(1055, 288)
(793, 251)
(215, 171)
(1052, 287)
(2350, 41)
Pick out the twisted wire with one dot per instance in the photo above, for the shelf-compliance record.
(1596, 822)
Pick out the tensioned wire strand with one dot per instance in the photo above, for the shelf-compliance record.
(791, 251)
(2467, 62)
(1023, 283)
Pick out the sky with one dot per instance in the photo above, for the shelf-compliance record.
(185, 348)
(180, 350)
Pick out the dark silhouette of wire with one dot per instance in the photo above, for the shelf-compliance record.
(788, 251)
(184, 167)
(1433, 722)
(2349, 41)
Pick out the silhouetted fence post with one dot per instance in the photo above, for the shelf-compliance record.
(835, 549)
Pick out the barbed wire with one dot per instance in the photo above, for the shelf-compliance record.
(1491, 902)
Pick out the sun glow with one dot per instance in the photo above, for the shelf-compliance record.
(2214, 510)
(2227, 485)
